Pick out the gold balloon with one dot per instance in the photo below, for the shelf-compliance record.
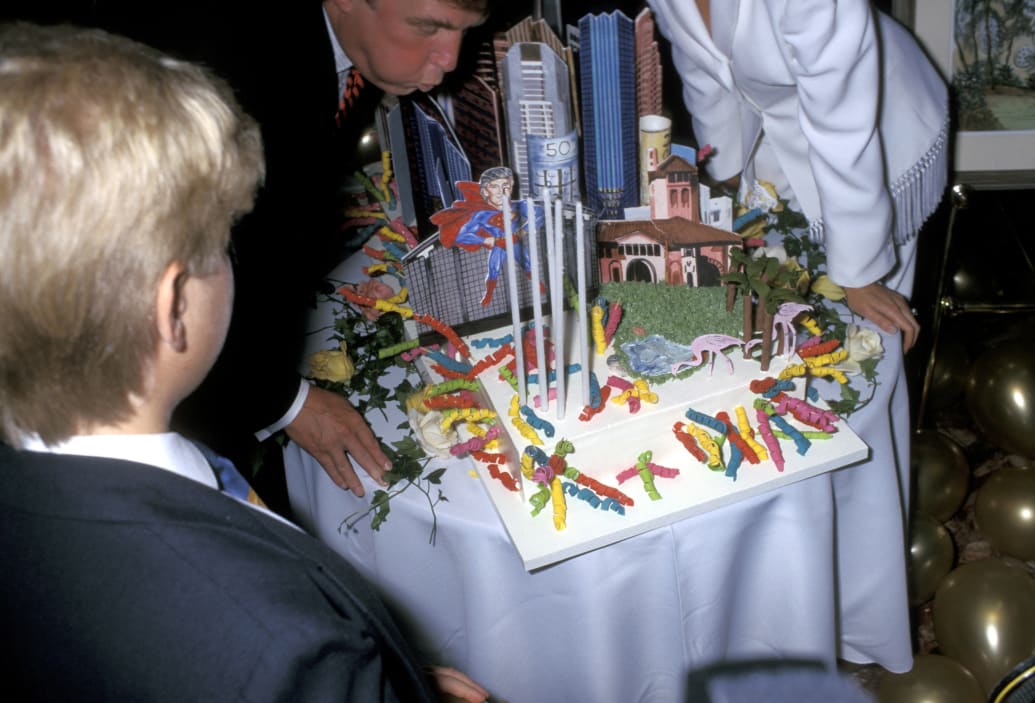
(949, 375)
(1001, 395)
(941, 474)
(978, 280)
(931, 554)
(933, 679)
(1005, 512)
(984, 618)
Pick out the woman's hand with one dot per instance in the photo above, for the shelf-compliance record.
(885, 308)
(453, 685)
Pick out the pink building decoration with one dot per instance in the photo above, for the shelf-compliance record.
(673, 245)
(648, 66)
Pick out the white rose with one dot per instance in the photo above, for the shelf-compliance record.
(774, 252)
(427, 428)
(861, 343)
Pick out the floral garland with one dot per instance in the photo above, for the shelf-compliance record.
(369, 339)
(768, 215)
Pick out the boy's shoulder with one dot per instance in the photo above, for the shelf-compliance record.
(139, 554)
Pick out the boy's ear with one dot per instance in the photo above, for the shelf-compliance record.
(171, 305)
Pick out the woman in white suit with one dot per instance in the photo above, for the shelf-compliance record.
(836, 105)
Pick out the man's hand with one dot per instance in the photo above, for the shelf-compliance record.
(327, 427)
(453, 685)
(885, 308)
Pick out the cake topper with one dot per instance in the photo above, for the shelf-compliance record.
(475, 221)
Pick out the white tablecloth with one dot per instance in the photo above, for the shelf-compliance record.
(626, 623)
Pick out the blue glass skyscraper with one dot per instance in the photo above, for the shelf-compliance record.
(607, 63)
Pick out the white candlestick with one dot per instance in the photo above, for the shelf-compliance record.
(551, 277)
(537, 305)
(515, 306)
(580, 262)
(558, 317)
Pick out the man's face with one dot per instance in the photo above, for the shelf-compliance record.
(401, 45)
(494, 191)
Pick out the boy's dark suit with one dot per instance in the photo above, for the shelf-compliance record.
(128, 582)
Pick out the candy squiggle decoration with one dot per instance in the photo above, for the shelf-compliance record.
(810, 324)
(801, 443)
(451, 386)
(766, 431)
(804, 412)
(705, 420)
(475, 444)
(451, 415)
(536, 422)
(560, 506)
(597, 487)
(815, 346)
(446, 331)
(412, 354)
(614, 316)
(708, 445)
(492, 342)
(445, 361)
(596, 315)
(744, 428)
(769, 386)
(646, 475)
(399, 348)
(504, 477)
(590, 410)
(520, 425)
(491, 360)
(462, 399)
(736, 441)
(687, 440)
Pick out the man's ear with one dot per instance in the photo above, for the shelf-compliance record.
(170, 306)
(343, 5)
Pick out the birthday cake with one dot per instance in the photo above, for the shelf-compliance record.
(621, 403)
(614, 350)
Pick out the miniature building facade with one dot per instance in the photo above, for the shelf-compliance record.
(609, 122)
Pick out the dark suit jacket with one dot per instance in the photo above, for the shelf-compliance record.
(280, 62)
(126, 582)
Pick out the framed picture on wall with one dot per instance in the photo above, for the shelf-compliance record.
(986, 50)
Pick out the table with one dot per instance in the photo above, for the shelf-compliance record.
(625, 623)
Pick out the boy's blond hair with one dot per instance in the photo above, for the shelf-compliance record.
(115, 161)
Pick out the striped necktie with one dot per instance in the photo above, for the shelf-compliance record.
(354, 85)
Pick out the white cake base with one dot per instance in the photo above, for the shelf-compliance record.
(612, 441)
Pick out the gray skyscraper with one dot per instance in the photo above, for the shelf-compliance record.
(538, 105)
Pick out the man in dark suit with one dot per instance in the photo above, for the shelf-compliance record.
(131, 576)
(288, 66)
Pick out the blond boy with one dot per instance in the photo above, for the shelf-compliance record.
(129, 575)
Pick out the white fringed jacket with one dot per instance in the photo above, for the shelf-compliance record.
(853, 112)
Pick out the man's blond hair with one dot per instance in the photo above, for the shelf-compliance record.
(115, 161)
